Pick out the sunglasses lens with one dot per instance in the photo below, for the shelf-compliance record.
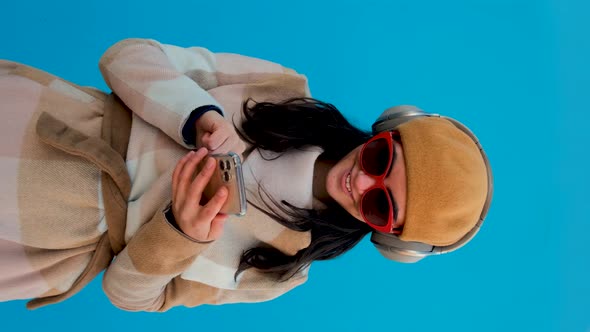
(375, 207)
(376, 156)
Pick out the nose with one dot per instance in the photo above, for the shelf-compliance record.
(362, 182)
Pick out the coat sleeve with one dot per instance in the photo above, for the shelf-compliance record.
(138, 278)
(163, 84)
(145, 276)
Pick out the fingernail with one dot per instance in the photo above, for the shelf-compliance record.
(210, 163)
(223, 192)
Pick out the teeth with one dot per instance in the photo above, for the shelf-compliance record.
(348, 183)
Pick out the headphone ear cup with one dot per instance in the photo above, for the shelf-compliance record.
(395, 116)
(393, 248)
(399, 257)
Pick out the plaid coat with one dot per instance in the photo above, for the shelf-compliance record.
(87, 177)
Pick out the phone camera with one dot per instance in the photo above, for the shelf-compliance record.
(227, 165)
(222, 165)
(226, 176)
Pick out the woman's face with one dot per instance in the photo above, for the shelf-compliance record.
(348, 171)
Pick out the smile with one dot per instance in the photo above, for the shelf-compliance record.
(345, 183)
(348, 183)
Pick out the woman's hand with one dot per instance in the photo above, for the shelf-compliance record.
(200, 222)
(217, 134)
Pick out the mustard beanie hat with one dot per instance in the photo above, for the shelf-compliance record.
(447, 181)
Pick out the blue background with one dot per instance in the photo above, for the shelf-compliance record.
(515, 71)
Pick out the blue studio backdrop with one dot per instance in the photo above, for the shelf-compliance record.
(515, 71)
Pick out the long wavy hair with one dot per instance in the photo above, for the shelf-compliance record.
(294, 124)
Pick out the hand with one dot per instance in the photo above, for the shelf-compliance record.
(200, 222)
(218, 134)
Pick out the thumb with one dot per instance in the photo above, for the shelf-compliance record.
(206, 139)
(207, 121)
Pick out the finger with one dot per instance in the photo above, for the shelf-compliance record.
(204, 139)
(201, 180)
(176, 173)
(234, 144)
(217, 138)
(216, 229)
(208, 121)
(212, 208)
(187, 172)
(211, 142)
(220, 217)
(224, 148)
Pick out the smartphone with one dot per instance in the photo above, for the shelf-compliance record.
(228, 173)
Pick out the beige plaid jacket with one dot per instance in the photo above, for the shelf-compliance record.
(88, 178)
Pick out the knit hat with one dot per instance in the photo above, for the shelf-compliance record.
(446, 181)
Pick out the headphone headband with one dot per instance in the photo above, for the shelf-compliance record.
(390, 245)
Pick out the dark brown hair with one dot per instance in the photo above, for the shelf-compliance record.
(296, 124)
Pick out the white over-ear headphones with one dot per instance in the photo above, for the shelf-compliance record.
(390, 245)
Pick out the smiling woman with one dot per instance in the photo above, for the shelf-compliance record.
(436, 158)
(370, 183)
(102, 175)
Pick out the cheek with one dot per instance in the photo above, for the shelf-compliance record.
(351, 156)
(345, 164)
(334, 177)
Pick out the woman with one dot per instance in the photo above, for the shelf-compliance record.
(91, 176)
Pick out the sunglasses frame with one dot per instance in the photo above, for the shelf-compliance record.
(379, 184)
